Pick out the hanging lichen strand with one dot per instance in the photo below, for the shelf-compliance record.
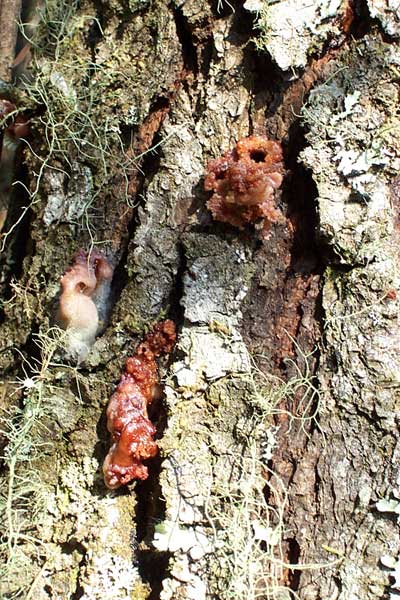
(127, 420)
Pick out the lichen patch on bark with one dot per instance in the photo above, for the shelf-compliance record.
(290, 31)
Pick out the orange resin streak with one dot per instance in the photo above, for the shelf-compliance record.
(127, 419)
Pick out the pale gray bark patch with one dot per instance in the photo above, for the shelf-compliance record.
(291, 29)
(210, 349)
(211, 292)
(68, 196)
(353, 151)
(388, 14)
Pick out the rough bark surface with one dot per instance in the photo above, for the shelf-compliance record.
(278, 431)
(9, 14)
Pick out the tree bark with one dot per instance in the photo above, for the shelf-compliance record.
(278, 430)
(9, 14)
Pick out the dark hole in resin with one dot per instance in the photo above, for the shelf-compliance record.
(221, 174)
(258, 156)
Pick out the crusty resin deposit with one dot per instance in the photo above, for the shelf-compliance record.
(244, 181)
(127, 420)
(84, 286)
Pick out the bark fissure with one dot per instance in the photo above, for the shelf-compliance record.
(189, 53)
(362, 21)
(17, 248)
(151, 507)
(150, 510)
(71, 547)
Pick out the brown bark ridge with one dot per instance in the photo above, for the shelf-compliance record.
(278, 428)
(10, 11)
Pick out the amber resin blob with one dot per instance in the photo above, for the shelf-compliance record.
(127, 419)
(84, 290)
(244, 181)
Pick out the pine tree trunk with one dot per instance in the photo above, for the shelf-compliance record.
(277, 475)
